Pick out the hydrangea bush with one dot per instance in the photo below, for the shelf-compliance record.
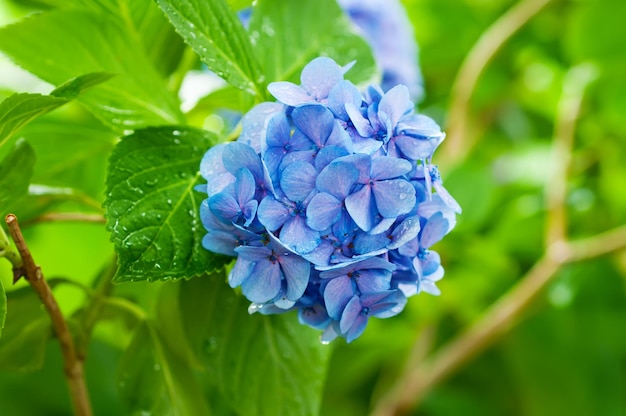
(330, 202)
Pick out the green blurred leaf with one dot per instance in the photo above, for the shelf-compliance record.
(26, 332)
(62, 44)
(16, 170)
(215, 33)
(3, 307)
(19, 109)
(152, 381)
(152, 208)
(263, 365)
(285, 42)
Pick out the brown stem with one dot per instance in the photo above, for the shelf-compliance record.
(73, 367)
(459, 139)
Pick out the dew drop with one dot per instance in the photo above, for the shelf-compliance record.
(254, 307)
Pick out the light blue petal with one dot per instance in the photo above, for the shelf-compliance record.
(386, 167)
(213, 170)
(394, 197)
(254, 125)
(337, 179)
(360, 206)
(240, 272)
(337, 294)
(357, 328)
(238, 155)
(395, 103)
(245, 186)
(253, 254)
(296, 271)
(327, 155)
(360, 123)
(319, 76)
(221, 242)
(367, 243)
(289, 93)
(297, 180)
(264, 282)
(323, 211)
(434, 230)
(272, 213)
(362, 163)
(389, 306)
(350, 313)
(249, 211)
(314, 316)
(415, 149)
(406, 231)
(296, 235)
(315, 121)
(373, 280)
(224, 206)
(343, 93)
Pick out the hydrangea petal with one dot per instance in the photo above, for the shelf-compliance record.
(315, 121)
(360, 123)
(224, 206)
(434, 230)
(255, 124)
(337, 179)
(272, 213)
(238, 155)
(394, 197)
(395, 103)
(296, 235)
(264, 282)
(296, 271)
(343, 93)
(319, 76)
(323, 211)
(213, 170)
(361, 208)
(357, 328)
(289, 93)
(386, 167)
(350, 313)
(240, 272)
(297, 180)
(337, 294)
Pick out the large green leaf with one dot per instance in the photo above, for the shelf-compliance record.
(214, 32)
(263, 365)
(26, 332)
(289, 34)
(16, 170)
(19, 109)
(62, 44)
(152, 208)
(153, 381)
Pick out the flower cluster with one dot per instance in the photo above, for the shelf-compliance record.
(330, 202)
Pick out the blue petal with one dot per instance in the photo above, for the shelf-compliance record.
(272, 213)
(224, 206)
(327, 155)
(350, 314)
(337, 294)
(337, 179)
(388, 306)
(394, 197)
(289, 93)
(253, 254)
(343, 93)
(360, 123)
(249, 212)
(362, 163)
(319, 76)
(245, 186)
(254, 125)
(434, 230)
(323, 211)
(314, 316)
(446, 197)
(320, 255)
(366, 243)
(415, 149)
(296, 235)
(221, 242)
(361, 208)
(394, 104)
(264, 282)
(315, 121)
(406, 231)
(373, 280)
(421, 127)
(357, 328)
(213, 170)
(296, 271)
(238, 155)
(297, 180)
(386, 167)
(240, 272)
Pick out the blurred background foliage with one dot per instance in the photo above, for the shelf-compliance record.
(566, 355)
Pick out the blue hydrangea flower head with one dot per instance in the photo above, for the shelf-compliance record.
(330, 202)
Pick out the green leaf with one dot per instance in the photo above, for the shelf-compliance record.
(26, 332)
(19, 109)
(284, 47)
(263, 365)
(216, 35)
(152, 208)
(62, 44)
(16, 169)
(3, 307)
(152, 381)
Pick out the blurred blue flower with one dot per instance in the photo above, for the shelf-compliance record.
(330, 202)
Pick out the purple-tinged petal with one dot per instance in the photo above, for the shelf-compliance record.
(360, 123)
(361, 208)
(406, 231)
(222, 242)
(323, 211)
(253, 253)
(434, 230)
(395, 103)
(394, 197)
(213, 170)
(319, 76)
(337, 179)
(277, 132)
(320, 255)
(357, 328)
(296, 271)
(373, 280)
(254, 124)
(264, 282)
(245, 185)
(383, 225)
(272, 213)
(296, 235)
(314, 316)
(238, 155)
(240, 272)
(328, 154)
(343, 93)
(388, 306)
(386, 167)
(297, 180)
(315, 121)
(289, 93)
(421, 127)
(249, 211)
(210, 221)
(362, 163)
(366, 146)
(367, 243)
(337, 294)
(350, 314)
(413, 148)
